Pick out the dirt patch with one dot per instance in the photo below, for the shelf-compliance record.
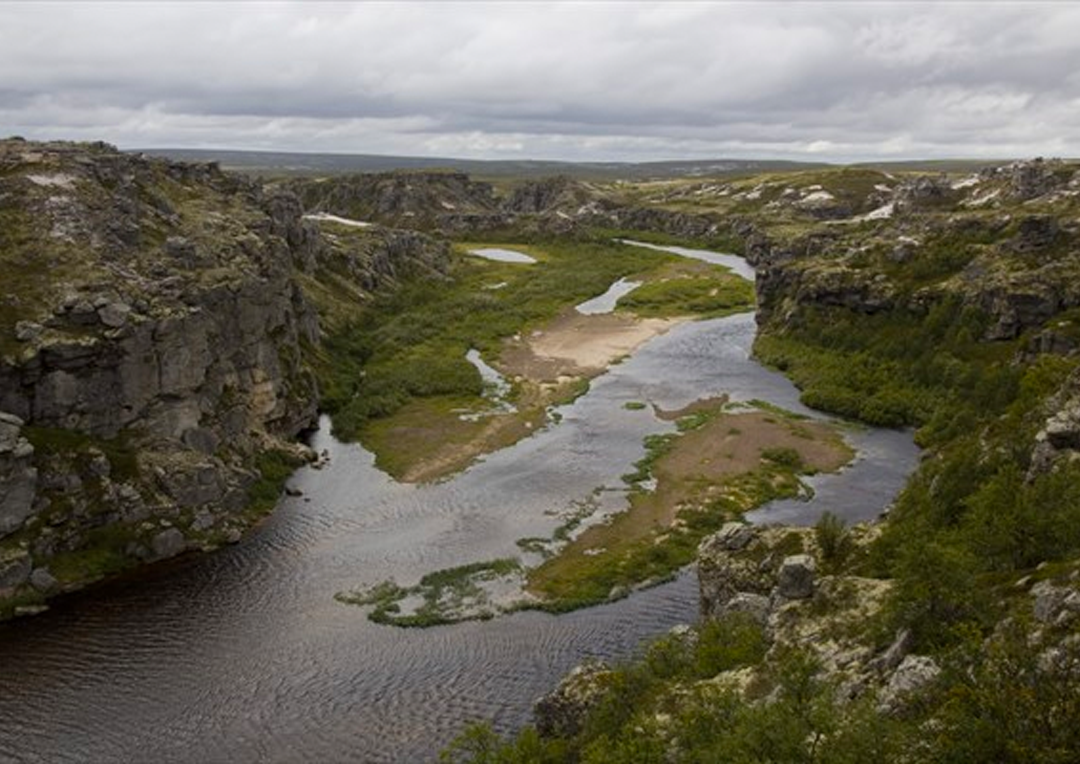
(576, 345)
(733, 443)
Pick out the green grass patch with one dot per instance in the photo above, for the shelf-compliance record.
(713, 296)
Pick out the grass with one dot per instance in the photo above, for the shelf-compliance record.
(274, 468)
(411, 343)
(54, 441)
(712, 294)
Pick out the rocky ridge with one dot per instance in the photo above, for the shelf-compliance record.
(154, 342)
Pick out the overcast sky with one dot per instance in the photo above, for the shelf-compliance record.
(556, 80)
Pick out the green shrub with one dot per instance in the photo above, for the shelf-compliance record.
(833, 539)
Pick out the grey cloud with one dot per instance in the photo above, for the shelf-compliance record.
(540, 80)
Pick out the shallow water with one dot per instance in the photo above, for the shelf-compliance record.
(502, 255)
(605, 303)
(244, 656)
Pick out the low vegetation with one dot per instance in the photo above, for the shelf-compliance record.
(682, 701)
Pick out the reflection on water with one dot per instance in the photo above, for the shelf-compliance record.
(244, 656)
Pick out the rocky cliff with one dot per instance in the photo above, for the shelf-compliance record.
(154, 354)
(420, 200)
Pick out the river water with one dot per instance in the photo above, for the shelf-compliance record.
(243, 655)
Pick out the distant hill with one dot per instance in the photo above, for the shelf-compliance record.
(285, 163)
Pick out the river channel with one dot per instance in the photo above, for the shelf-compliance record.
(243, 655)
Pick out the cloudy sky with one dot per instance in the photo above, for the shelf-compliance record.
(555, 80)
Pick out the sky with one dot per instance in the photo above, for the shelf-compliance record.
(599, 81)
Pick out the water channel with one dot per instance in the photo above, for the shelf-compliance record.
(243, 655)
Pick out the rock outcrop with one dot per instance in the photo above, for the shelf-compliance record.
(561, 712)
(153, 337)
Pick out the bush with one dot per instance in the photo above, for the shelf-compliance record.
(833, 540)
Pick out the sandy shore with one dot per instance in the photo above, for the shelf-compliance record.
(580, 345)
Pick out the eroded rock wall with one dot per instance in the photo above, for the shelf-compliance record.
(155, 343)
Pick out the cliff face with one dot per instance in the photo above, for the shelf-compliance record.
(1005, 242)
(154, 340)
(421, 200)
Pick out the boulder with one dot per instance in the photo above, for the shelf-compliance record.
(561, 713)
(15, 567)
(43, 580)
(757, 606)
(18, 475)
(1054, 604)
(914, 674)
(795, 580)
(169, 543)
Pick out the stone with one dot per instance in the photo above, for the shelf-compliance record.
(25, 610)
(114, 315)
(203, 521)
(26, 331)
(202, 439)
(43, 580)
(169, 543)
(722, 576)
(734, 536)
(18, 475)
(1063, 429)
(561, 712)
(15, 567)
(757, 606)
(915, 673)
(795, 580)
(1049, 601)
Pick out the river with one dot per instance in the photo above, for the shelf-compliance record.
(243, 655)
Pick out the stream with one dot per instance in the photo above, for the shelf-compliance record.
(243, 655)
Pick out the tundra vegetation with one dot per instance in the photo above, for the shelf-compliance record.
(952, 310)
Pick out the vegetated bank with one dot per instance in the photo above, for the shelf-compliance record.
(949, 632)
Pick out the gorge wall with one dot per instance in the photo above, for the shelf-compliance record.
(155, 344)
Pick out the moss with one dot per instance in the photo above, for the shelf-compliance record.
(104, 553)
(121, 453)
(275, 468)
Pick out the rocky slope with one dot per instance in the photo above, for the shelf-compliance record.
(155, 346)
